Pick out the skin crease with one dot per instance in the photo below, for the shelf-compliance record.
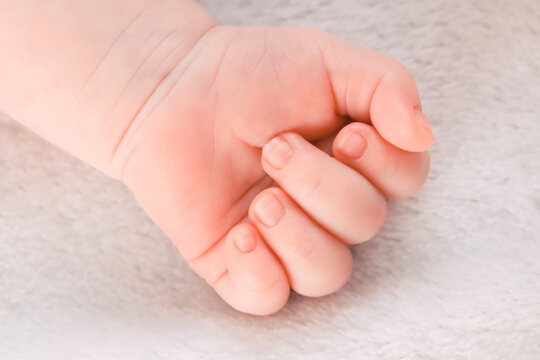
(186, 138)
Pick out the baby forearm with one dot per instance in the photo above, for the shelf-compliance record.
(79, 72)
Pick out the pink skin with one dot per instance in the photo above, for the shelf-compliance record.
(179, 109)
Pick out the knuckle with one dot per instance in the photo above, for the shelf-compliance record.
(392, 169)
(415, 179)
(262, 279)
(379, 216)
(397, 73)
(328, 278)
(400, 69)
(312, 183)
(299, 249)
(374, 220)
(426, 157)
(341, 276)
(421, 174)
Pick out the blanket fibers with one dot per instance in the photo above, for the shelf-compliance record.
(454, 274)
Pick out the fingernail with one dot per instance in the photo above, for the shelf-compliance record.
(421, 117)
(277, 152)
(352, 144)
(269, 210)
(245, 241)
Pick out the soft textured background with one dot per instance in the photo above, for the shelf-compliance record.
(454, 274)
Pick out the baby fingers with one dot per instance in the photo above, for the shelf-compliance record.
(316, 262)
(334, 195)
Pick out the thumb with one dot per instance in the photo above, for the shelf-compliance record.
(368, 85)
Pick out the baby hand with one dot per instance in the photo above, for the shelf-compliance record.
(194, 159)
(158, 96)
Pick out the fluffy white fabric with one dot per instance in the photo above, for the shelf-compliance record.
(454, 274)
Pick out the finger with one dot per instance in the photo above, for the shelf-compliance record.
(316, 262)
(368, 85)
(397, 173)
(334, 195)
(255, 281)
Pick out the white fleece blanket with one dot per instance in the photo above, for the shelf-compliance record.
(454, 274)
